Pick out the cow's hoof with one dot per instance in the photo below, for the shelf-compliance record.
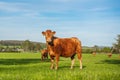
(51, 67)
(71, 68)
(56, 68)
(80, 67)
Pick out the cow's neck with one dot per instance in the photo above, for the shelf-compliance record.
(52, 42)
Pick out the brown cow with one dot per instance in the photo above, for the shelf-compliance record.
(65, 47)
(109, 55)
(44, 54)
(94, 53)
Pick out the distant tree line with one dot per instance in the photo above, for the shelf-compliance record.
(11, 42)
(20, 46)
(29, 46)
(97, 49)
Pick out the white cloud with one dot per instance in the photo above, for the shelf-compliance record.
(12, 7)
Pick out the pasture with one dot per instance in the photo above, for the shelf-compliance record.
(28, 66)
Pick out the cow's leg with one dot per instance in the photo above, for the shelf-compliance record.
(52, 62)
(80, 63)
(47, 56)
(80, 59)
(41, 57)
(79, 53)
(57, 59)
(72, 61)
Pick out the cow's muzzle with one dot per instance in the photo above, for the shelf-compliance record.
(50, 43)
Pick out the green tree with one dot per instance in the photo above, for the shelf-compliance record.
(32, 47)
(26, 45)
(38, 47)
(106, 49)
(1, 48)
(116, 46)
(95, 48)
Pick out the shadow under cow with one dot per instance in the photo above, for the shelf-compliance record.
(20, 61)
(68, 67)
(112, 61)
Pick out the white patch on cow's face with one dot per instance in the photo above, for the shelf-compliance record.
(48, 35)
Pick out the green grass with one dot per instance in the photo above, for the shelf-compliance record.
(28, 66)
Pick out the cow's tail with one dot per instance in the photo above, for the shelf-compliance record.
(79, 53)
(79, 50)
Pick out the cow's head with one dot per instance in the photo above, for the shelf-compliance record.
(49, 35)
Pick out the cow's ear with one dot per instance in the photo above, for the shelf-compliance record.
(53, 32)
(43, 33)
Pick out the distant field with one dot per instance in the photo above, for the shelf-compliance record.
(28, 66)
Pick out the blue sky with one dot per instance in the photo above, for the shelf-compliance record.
(94, 22)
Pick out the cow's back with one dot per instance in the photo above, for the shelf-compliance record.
(66, 46)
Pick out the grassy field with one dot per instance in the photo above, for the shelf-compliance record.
(28, 66)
